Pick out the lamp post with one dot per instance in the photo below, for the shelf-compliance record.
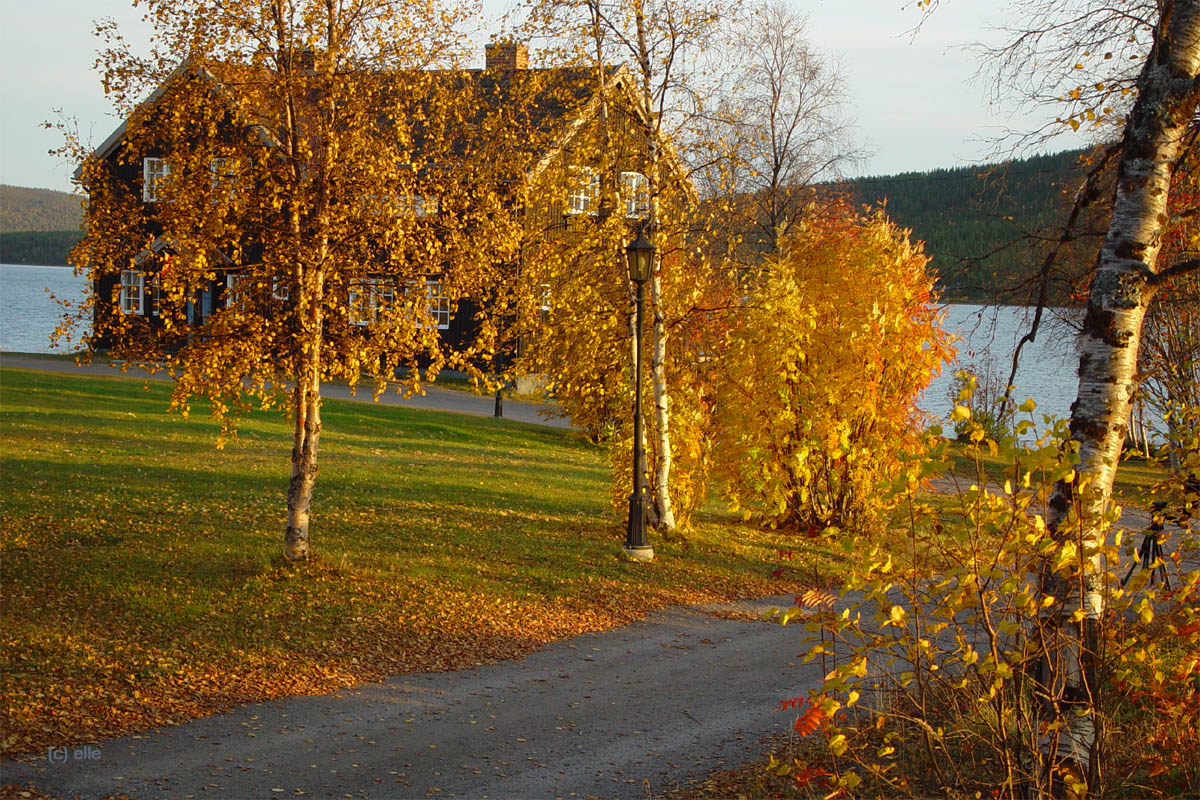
(640, 255)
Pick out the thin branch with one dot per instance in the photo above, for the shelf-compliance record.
(1083, 198)
(1174, 271)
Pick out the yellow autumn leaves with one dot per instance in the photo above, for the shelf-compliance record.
(817, 384)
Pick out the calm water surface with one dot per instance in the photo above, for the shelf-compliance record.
(28, 315)
(28, 311)
(988, 335)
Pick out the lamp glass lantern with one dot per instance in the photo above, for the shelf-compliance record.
(640, 255)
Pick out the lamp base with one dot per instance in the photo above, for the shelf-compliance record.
(643, 553)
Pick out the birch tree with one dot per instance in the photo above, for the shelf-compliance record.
(297, 184)
(782, 124)
(1126, 277)
(659, 44)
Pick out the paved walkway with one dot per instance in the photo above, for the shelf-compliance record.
(434, 399)
(621, 714)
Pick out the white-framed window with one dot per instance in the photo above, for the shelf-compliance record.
(366, 297)
(583, 190)
(635, 194)
(222, 174)
(153, 171)
(439, 304)
(281, 289)
(133, 286)
(237, 289)
(139, 292)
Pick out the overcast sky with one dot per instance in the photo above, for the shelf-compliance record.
(916, 100)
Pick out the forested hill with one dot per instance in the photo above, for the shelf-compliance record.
(23, 209)
(38, 226)
(963, 214)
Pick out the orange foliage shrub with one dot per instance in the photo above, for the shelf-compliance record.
(818, 381)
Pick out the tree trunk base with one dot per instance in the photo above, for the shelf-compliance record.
(295, 548)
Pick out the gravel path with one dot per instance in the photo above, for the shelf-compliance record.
(621, 714)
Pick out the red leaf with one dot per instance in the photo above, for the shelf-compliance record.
(809, 721)
(810, 775)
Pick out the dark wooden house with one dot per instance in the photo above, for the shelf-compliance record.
(557, 189)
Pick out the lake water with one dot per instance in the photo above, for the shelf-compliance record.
(989, 334)
(28, 311)
(28, 315)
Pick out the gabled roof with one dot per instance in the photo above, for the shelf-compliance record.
(114, 140)
(553, 102)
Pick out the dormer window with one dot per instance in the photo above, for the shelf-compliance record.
(635, 194)
(153, 171)
(583, 190)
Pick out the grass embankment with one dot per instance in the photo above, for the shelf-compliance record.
(143, 582)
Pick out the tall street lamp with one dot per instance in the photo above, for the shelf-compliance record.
(640, 255)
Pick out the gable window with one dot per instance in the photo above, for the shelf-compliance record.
(153, 171)
(635, 194)
(583, 190)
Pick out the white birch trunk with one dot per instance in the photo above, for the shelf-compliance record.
(307, 406)
(306, 438)
(662, 411)
(663, 508)
(310, 282)
(1121, 290)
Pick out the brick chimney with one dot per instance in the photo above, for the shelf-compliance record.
(506, 54)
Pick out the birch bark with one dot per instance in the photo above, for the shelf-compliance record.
(311, 280)
(1122, 287)
(663, 509)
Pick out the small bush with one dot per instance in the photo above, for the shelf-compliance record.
(978, 389)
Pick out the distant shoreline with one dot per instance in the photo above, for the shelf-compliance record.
(38, 248)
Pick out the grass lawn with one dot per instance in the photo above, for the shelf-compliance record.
(143, 581)
(1132, 487)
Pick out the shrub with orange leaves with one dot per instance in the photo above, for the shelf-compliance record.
(819, 380)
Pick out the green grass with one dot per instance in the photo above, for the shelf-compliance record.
(1133, 485)
(143, 579)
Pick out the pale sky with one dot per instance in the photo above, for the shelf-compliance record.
(915, 99)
